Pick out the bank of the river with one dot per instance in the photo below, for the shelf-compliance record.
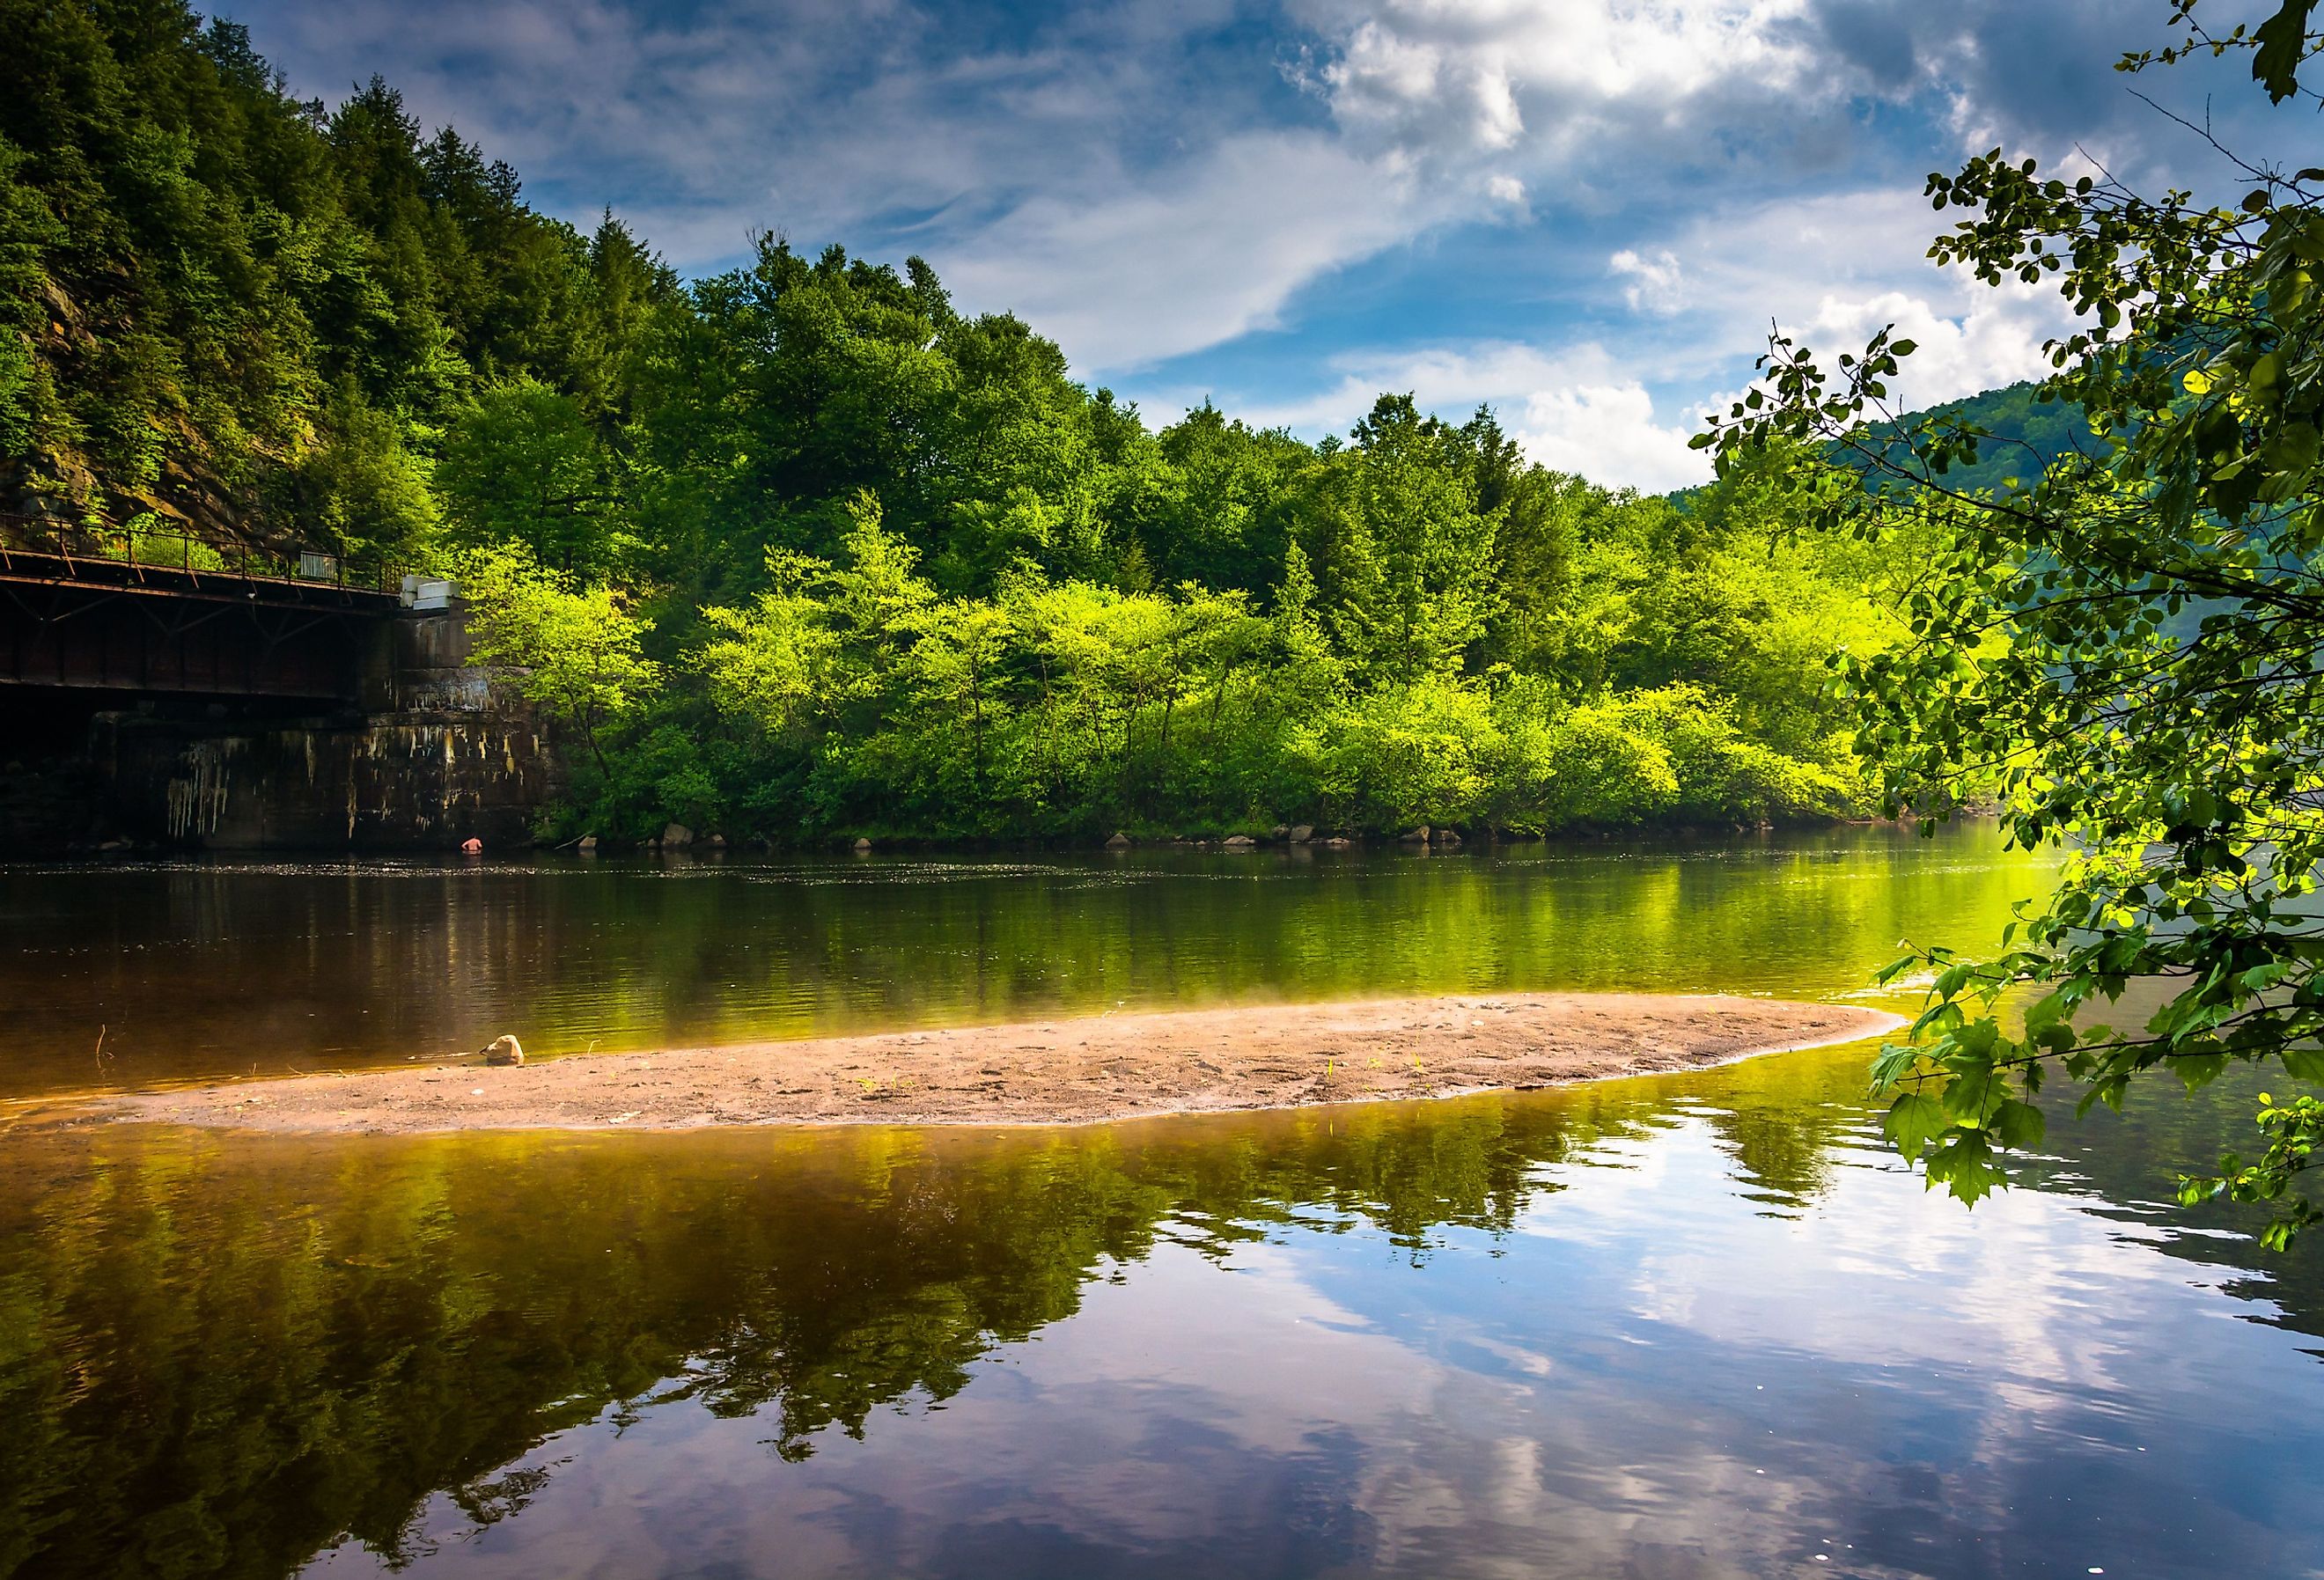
(1062, 1071)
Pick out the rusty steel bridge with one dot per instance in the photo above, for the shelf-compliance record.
(157, 612)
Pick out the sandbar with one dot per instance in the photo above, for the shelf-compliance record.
(1063, 1071)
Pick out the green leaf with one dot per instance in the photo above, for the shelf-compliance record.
(2303, 1063)
(2018, 1125)
(1963, 1164)
(1914, 1121)
(2282, 41)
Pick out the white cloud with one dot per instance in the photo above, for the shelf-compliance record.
(1654, 279)
(1573, 410)
(1995, 341)
(1832, 272)
(1482, 74)
(1143, 273)
(1607, 433)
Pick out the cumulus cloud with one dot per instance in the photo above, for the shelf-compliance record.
(1574, 410)
(1606, 88)
(1996, 341)
(1608, 433)
(1830, 271)
(1654, 279)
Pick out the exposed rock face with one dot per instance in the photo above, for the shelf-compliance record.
(504, 1050)
(677, 837)
(1301, 833)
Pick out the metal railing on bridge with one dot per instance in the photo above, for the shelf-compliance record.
(69, 550)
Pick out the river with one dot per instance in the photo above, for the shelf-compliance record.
(1686, 1325)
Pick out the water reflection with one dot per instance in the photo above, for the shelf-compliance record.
(1689, 1325)
(210, 970)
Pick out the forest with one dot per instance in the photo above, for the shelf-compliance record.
(802, 549)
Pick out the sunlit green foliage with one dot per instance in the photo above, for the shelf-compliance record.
(2128, 642)
(574, 650)
(859, 562)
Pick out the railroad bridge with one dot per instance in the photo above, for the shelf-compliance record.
(156, 689)
(161, 613)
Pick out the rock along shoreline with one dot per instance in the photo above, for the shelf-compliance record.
(1065, 1071)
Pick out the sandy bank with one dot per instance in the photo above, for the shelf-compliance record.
(1065, 1071)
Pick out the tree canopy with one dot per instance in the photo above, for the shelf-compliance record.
(2126, 640)
(802, 549)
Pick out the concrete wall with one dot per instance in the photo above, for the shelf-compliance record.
(440, 753)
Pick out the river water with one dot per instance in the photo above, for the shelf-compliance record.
(1695, 1326)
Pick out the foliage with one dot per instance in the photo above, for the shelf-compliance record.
(577, 650)
(2129, 642)
(521, 464)
(235, 310)
(800, 548)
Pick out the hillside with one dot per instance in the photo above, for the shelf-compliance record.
(233, 309)
(2026, 434)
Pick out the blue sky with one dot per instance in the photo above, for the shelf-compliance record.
(1585, 212)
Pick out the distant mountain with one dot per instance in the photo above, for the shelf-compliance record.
(2027, 435)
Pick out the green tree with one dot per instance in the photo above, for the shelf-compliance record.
(1408, 559)
(521, 464)
(576, 650)
(2127, 643)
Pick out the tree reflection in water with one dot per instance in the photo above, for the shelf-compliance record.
(225, 1354)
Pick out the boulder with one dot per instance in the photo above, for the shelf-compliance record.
(1447, 837)
(717, 842)
(676, 835)
(1339, 842)
(1416, 836)
(1280, 831)
(863, 848)
(503, 1049)
(1240, 842)
(1120, 841)
(588, 845)
(1301, 833)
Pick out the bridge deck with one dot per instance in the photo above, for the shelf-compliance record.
(162, 613)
